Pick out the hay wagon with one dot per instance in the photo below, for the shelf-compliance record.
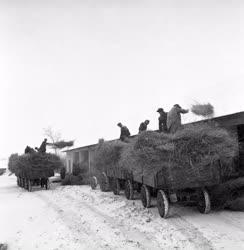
(166, 187)
(30, 178)
(174, 187)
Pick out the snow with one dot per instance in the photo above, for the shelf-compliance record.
(76, 217)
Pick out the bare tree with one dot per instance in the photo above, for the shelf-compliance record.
(55, 138)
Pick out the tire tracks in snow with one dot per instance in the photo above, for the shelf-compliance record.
(194, 236)
(130, 239)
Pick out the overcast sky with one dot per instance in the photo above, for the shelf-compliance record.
(83, 66)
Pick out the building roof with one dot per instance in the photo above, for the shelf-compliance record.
(225, 120)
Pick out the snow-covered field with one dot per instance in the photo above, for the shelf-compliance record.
(76, 217)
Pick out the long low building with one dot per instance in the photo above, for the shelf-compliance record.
(83, 157)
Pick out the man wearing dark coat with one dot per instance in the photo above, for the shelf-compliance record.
(124, 132)
(42, 148)
(162, 120)
(143, 126)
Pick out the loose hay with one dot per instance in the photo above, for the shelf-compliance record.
(205, 110)
(191, 156)
(27, 163)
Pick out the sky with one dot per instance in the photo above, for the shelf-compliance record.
(81, 67)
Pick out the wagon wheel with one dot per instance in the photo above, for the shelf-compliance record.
(42, 182)
(47, 184)
(145, 196)
(21, 182)
(93, 182)
(204, 203)
(25, 183)
(116, 186)
(104, 185)
(129, 191)
(162, 204)
(29, 185)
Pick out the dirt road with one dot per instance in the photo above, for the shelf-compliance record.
(76, 217)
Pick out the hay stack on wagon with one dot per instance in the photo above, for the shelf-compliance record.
(191, 153)
(26, 164)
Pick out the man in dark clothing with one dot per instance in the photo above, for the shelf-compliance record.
(162, 120)
(124, 132)
(42, 148)
(143, 126)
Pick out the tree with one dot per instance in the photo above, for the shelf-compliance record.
(56, 142)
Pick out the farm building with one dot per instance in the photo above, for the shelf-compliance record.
(84, 156)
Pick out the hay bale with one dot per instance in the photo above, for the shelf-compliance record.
(205, 110)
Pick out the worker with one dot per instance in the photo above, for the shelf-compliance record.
(124, 132)
(143, 126)
(42, 148)
(174, 118)
(162, 120)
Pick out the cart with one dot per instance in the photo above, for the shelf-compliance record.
(168, 185)
(28, 179)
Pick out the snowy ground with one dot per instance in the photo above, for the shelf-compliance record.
(76, 217)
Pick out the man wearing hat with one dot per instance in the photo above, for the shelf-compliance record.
(162, 120)
(124, 132)
(174, 118)
(143, 126)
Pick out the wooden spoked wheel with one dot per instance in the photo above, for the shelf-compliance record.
(116, 186)
(129, 191)
(145, 196)
(204, 203)
(47, 184)
(29, 185)
(104, 185)
(93, 182)
(162, 204)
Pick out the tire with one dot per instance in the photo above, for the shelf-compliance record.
(29, 186)
(104, 185)
(116, 186)
(47, 184)
(162, 204)
(129, 191)
(145, 196)
(204, 203)
(93, 182)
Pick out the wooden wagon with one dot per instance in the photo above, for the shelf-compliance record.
(196, 188)
(34, 177)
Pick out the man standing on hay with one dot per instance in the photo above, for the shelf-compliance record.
(174, 118)
(42, 148)
(143, 126)
(162, 120)
(124, 132)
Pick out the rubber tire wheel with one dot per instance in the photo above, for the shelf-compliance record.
(47, 184)
(145, 196)
(129, 191)
(204, 203)
(116, 186)
(29, 186)
(93, 182)
(162, 204)
(104, 183)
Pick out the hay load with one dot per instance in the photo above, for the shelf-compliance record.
(189, 156)
(205, 110)
(107, 154)
(27, 163)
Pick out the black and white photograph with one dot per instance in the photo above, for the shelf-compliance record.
(121, 124)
